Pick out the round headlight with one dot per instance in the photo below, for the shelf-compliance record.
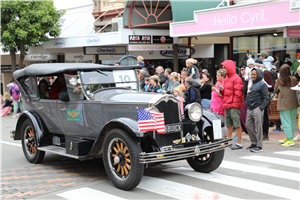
(194, 111)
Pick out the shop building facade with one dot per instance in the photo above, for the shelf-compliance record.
(270, 25)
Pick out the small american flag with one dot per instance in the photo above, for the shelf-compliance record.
(150, 121)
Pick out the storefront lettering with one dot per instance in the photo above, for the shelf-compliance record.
(181, 52)
(59, 43)
(39, 57)
(246, 17)
(93, 40)
(106, 50)
(79, 57)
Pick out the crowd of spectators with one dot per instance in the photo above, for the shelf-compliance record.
(240, 99)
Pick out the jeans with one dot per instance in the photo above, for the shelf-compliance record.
(205, 103)
(16, 106)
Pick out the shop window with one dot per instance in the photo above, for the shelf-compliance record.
(240, 47)
(295, 4)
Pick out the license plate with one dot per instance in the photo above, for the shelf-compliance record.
(217, 129)
(173, 128)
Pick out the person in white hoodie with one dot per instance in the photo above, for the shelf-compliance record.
(250, 65)
(267, 60)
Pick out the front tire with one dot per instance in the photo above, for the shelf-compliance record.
(121, 159)
(207, 162)
(29, 143)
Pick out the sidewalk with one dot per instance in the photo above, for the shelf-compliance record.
(274, 136)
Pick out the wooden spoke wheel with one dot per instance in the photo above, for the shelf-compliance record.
(210, 161)
(121, 159)
(208, 140)
(29, 143)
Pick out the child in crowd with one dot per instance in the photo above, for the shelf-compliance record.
(147, 83)
(7, 106)
(178, 94)
(250, 65)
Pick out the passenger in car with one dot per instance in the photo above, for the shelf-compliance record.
(57, 86)
(44, 90)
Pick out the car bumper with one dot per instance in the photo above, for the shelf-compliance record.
(183, 153)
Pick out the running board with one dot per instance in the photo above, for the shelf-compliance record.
(57, 150)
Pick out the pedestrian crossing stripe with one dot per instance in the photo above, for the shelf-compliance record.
(246, 184)
(261, 170)
(277, 161)
(88, 193)
(176, 190)
(289, 153)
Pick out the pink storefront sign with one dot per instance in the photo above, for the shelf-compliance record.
(293, 32)
(237, 18)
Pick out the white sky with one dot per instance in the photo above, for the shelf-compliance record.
(64, 4)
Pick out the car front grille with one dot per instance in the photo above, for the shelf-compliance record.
(171, 109)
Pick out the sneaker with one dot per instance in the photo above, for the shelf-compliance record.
(283, 141)
(297, 138)
(275, 129)
(256, 149)
(236, 147)
(248, 91)
(251, 146)
(288, 143)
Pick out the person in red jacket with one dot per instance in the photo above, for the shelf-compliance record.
(233, 99)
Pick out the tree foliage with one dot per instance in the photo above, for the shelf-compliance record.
(27, 23)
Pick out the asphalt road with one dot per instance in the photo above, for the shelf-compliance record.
(271, 174)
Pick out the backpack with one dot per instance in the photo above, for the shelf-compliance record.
(15, 92)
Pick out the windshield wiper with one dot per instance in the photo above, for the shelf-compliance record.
(99, 71)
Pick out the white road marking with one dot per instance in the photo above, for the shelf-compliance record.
(87, 193)
(250, 185)
(260, 170)
(176, 190)
(289, 153)
(278, 161)
(10, 143)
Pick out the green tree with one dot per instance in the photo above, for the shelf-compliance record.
(25, 24)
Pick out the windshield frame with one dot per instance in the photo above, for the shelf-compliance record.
(88, 97)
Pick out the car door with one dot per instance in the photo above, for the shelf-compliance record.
(72, 112)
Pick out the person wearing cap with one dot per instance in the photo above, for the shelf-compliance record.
(274, 74)
(233, 99)
(296, 63)
(267, 60)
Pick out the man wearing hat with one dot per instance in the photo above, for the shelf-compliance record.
(266, 59)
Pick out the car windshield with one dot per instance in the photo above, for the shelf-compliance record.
(93, 81)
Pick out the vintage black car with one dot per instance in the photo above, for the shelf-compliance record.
(99, 120)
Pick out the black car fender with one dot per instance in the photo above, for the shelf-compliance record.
(36, 121)
(127, 124)
(208, 117)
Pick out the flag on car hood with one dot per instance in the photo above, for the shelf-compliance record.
(151, 121)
